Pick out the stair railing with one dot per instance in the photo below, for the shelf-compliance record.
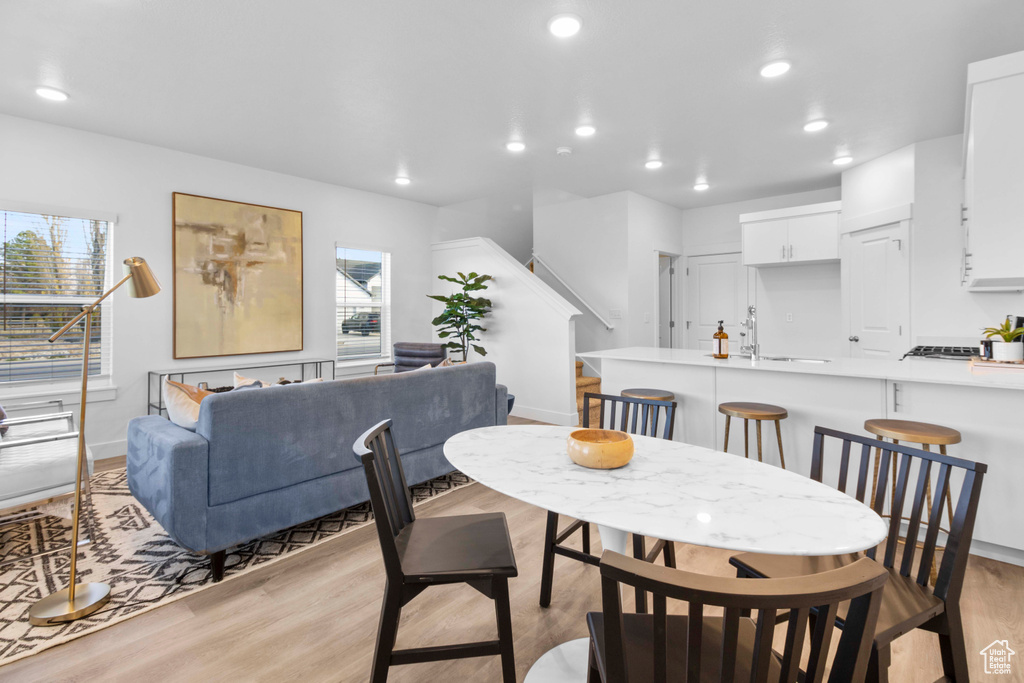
(538, 259)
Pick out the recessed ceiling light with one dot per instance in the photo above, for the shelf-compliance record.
(402, 180)
(815, 126)
(774, 69)
(842, 161)
(565, 25)
(563, 151)
(515, 146)
(51, 94)
(585, 131)
(653, 164)
(700, 187)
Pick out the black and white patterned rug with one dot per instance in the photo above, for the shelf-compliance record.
(143, 566)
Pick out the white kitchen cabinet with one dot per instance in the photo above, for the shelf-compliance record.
(994, 176)
(803, 234)
(989, 421)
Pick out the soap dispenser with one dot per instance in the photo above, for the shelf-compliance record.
(720, 342)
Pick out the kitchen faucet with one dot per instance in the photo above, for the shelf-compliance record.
(753, 348)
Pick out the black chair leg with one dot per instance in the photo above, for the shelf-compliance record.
(217, 560)
(953, 647)
(640, 553)
(547, 572)
(503, 612)
(586, 537)
(593, 672)
(878, 665)
(387, 631)
(670, 554)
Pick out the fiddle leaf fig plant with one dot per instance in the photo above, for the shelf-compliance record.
(1004, 332)
(462, 311)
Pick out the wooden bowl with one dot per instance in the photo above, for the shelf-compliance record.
(600, 449)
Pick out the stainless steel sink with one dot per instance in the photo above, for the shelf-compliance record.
(795, 359)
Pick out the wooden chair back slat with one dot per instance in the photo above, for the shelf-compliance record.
(916, 509)
(862, 476)
(844, 462)
(649, 412)
(931, 537)
(694, 638)
(795, 632)
(950, 577)
(763, 645)
(730, 642)
(389, 493)
(821, 640)
(660, 639)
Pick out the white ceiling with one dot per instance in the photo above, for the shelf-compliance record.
(354, 93)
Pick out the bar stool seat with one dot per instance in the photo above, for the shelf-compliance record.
(757, 412)
(913, 432)
(753, 411)
(649, 394)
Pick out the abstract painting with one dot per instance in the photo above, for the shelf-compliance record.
(237, 278)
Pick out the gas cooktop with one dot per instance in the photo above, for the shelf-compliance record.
(943, 352)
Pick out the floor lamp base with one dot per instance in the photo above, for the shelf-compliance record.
(56, 609)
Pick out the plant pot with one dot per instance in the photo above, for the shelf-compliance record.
(1007, 351)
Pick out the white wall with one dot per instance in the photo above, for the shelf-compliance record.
(939, 307)
(882, 183)
(585, 242)
(530, 334)
(510, 227)
(652, 226)
(55, 166)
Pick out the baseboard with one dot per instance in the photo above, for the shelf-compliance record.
(998, 552)
(549, 416)
(110, 449)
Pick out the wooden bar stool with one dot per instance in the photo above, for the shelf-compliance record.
(908, 431)
(757, 412)
(649, 395)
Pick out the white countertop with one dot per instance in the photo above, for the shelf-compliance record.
(670, 490)
(910, 370)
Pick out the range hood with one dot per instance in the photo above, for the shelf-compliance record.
(995, 284)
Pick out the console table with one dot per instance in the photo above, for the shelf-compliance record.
(299, 370)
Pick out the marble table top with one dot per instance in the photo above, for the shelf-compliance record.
(671, 490)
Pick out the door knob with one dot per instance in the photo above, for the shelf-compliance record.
(854, 338)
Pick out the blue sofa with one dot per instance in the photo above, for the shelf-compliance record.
(264, 460)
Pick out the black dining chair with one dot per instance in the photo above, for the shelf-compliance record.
(733, 648)
(909, 601)
(433, 551)
(639, 416)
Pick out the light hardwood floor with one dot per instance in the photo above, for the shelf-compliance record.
(313, 617)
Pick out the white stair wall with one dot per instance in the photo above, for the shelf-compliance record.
(531, 331)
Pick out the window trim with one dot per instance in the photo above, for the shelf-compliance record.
(353, 362)
(101, 384)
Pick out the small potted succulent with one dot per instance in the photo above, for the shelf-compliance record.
(1006, 348)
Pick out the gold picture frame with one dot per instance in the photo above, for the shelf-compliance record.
(237, 278)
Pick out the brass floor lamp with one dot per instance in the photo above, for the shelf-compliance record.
(80, 600)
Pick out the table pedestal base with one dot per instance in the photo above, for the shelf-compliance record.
(568, 662)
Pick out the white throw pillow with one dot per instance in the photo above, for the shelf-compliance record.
(428, 366)
(182, 403)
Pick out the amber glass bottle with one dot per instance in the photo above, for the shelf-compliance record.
(720, 342)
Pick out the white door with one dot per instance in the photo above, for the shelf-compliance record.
(716, 287)
(878, 291)
(666, 301)
(765, 242)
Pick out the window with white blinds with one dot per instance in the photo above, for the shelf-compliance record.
(363, 297)
(51, 265)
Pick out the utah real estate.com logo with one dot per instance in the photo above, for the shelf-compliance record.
(997, 657)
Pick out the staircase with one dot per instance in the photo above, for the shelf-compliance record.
(587, 385)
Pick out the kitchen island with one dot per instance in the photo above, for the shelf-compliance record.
(987, 409)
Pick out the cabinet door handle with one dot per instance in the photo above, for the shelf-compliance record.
(895, 397)
(791, 252)
(854, 338)
(783, 252)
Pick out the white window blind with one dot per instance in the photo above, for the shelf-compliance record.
(49, 267)
(363, 297)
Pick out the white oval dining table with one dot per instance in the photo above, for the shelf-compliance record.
(669, 490)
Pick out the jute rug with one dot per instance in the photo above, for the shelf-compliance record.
(143, 566)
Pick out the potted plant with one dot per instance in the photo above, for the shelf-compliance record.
(461, 312)
(1008, 349)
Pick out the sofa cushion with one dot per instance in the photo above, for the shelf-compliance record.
(182, 402)
(261, 441)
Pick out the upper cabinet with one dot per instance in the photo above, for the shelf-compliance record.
(801, 234)
(993, 212)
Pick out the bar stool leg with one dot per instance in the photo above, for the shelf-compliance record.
(757, 423)
(746, 438)
(778, 434)
(728, 419)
